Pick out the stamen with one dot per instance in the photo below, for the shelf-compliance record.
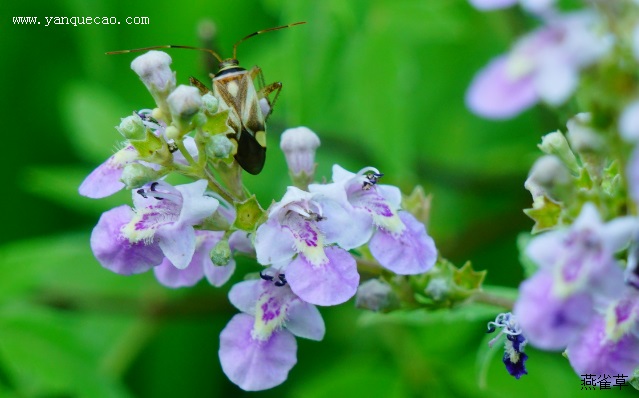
(266, 277)
(153, 192)
(282, 280)
(172, 147)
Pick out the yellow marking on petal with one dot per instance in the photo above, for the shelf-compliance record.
(270, 315)
(392, 224)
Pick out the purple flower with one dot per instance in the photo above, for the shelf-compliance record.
(596, 353)
(544, 65)
(551, 322)
(319, 274)
(399, 242)
(536, 6)
(128, 241)
(199, 267)
(258, 348)
(578, 275)
(105, 179)
(579, 257)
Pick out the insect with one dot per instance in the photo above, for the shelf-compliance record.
(248, 107)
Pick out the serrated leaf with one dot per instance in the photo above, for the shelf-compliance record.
(418, 204)
(545, 213)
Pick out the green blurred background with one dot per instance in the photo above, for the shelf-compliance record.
(381, 82)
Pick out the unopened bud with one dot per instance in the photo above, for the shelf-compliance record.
(136, 175)
(548, 177)
(221, 253)
(377, 296)
(299, 145)
(438, 289)
(184, 103)
(154, 71)
(219, 146)
(210, 104)
(555, 144)
(132, 127)
(582, 138)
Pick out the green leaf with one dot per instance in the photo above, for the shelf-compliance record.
(60, 184)
(485, 355)
(91, 113)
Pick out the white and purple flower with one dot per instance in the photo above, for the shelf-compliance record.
(258, 347)
(294, 242)
(399, 241)
(544, 65)
(159, 230)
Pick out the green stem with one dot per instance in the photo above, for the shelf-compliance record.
(493, 299)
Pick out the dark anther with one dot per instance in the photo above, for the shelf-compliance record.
(282, 280)
(266, 277)
(316, 217)
(141, 193)
(172, 147)
(153, 185)
(491, 329)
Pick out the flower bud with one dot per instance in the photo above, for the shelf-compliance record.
(582, 138)
(132, 127)
(555, 144)
(221, 253)
(184, 103)
(548, 177)
(136, 175)
(377, 296)
(210, 103)
(299, 145)
(154, 71)
(219, 146)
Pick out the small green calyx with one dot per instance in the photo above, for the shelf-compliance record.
(418, 204)
(135, 175)
(446, 285)
(545, 213)
(221, 253)
(217, 123)
(153, 149)
(249, 215)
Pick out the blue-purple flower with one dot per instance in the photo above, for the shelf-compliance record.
(514, 357)
(258, 347)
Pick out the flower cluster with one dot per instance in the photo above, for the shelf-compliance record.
(582, 294)
(309, 243)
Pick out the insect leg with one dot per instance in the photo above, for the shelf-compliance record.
(201, 86)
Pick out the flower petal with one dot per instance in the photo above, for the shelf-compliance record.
(496, 95)
(594, 354)
(195, 205)
(244, 295)
(177, 243)
(492, 4)
(305, 320)
(115, 252)
(330, 283)
(273, 244)
(348, 227)
(412, 252)
(170, 276)
(252, 364)
(105, 179)
(550, 322)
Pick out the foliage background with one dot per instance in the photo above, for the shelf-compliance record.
(381, 82)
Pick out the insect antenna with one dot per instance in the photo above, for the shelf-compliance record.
(259, 32)
(135, 50)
